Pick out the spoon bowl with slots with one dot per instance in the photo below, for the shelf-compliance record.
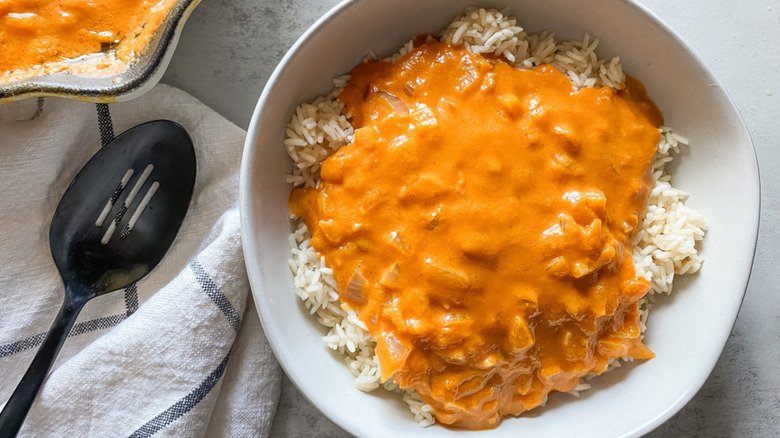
(113, 225)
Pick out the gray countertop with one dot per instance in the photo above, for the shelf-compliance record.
(738, 41)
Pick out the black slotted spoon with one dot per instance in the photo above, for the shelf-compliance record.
(112, 226)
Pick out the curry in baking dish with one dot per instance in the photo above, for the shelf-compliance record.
(42, 36)
(481, 223)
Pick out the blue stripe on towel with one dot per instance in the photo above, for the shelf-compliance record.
(131, 299)
(24, 344)
(216, 295)
(184, 405)
(106, 128)
(105, 124)
(78, 329)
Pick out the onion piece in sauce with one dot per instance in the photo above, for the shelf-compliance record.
(399, 107)
(354, 289)
(390, 276)
(395, 348)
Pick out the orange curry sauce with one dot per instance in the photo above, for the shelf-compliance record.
(481, 224)
(38, 32)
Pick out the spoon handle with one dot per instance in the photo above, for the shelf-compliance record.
(18, 405)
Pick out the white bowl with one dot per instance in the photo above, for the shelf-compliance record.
(687, 331)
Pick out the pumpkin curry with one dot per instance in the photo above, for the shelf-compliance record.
(35, 34)
(481, 225)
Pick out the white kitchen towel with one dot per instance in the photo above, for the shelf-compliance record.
(178, 354)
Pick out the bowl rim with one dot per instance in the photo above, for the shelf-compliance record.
(140, 80)
(251, 257)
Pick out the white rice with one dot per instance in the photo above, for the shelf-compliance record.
(665, 244)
